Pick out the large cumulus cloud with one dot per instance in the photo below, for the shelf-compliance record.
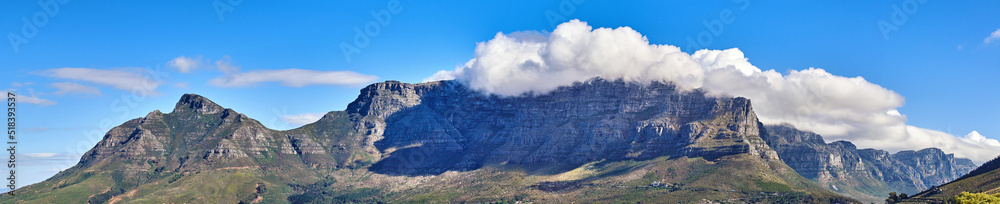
(839, 108)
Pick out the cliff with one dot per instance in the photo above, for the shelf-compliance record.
(865, 174)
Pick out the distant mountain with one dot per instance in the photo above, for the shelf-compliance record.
(985, 179)
(866, 174)
(597, 141)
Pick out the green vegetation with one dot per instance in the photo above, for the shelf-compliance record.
(768, 186)
(970, 198)
(893, 198)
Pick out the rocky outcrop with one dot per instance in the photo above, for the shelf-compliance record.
(200, 135)
(934, 166)
(841, 162)
(984, 179)
(439, 126)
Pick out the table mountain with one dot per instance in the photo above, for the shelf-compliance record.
(865, 174)
(594, 141)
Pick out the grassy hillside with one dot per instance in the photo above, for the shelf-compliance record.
(730, 179)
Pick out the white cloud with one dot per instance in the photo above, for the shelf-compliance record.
(294, 78)
(225, 65)
(119, 79)
(39, 155)
(16, 84)
(839, 108)
(993, 37)
(184, 64)
(182, 85)
(70, 87)
(302, 119)
(30, 99)
(975, 137)
(58, 160)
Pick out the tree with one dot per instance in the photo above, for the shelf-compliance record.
(893, 198)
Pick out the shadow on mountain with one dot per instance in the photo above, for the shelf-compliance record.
(446, 127)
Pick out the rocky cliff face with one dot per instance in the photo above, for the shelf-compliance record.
(985, 179)
(434, 127)
(934, 166)
(201, 135)
(842, 163)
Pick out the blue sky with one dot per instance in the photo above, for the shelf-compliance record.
(938, 58)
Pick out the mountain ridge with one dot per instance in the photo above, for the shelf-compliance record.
(866, 174)
(442, 142)
(984, 179)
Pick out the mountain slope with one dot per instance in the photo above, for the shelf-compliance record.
(865, 174)
(985, 179)
(598, 141)
(224, 155)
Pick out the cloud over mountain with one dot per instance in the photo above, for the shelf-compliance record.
(840, 108)
(184, 64)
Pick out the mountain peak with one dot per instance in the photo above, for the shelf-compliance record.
(198, 104)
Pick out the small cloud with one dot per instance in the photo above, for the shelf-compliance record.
(294, 78)
(51, 160)
(440, 76)
(225, 65)
(30, 99)
(39, 129)
(39, 155)
(119, 79)
(16, 84)
(182, 85)
(302, 119)
(184, 64)
(959, 47)
(69, 87)
(993, 37)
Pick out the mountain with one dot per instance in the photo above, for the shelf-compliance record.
(595, 141)
(200, 152)
(985, 179)
(865, 174)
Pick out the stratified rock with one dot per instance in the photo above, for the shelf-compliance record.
(842, 163)
(439, 126)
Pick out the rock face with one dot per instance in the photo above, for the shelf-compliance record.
(430, 128)
(842, 163)
(201, 135)
(985, 179)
